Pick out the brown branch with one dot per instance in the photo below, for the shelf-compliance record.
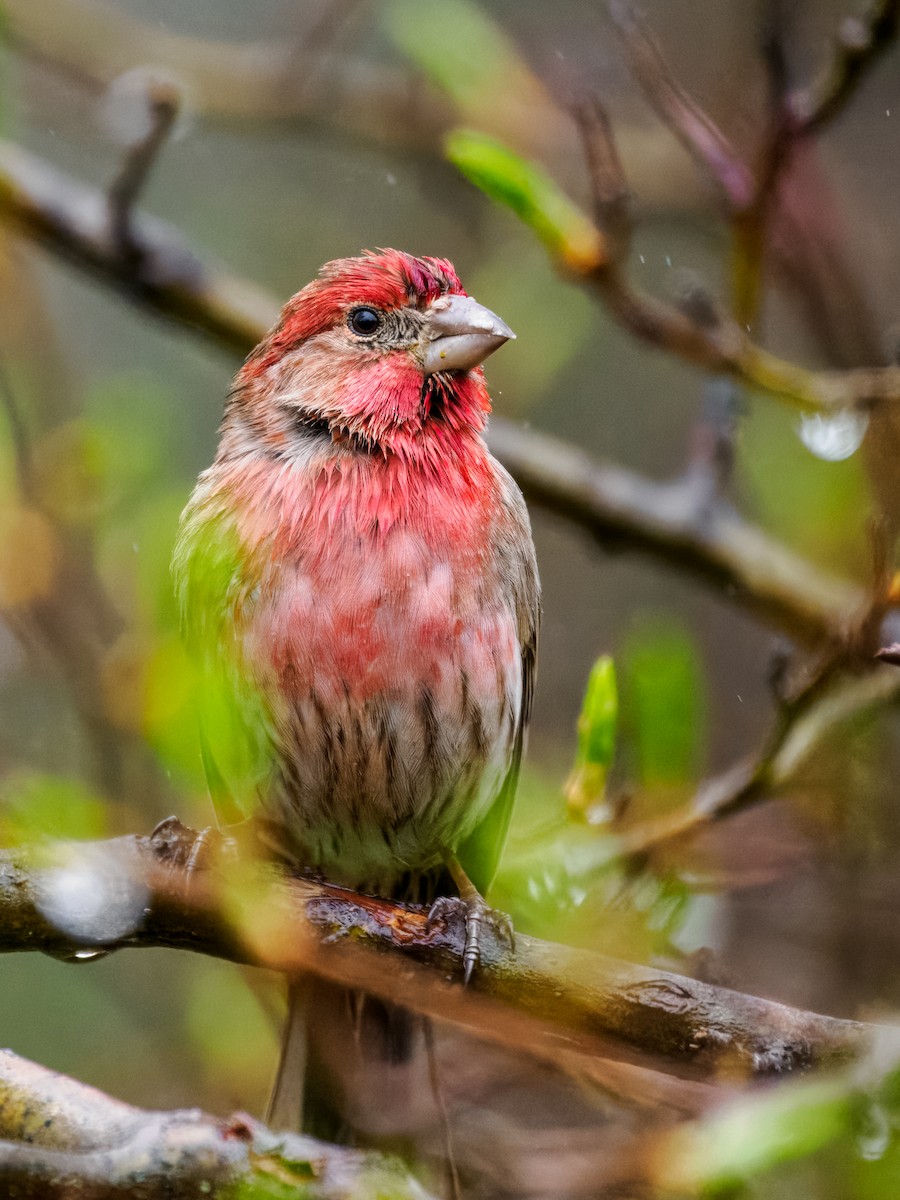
(696, 130)
(678, 524)
(726, 349)
(72, 221)
(60, 1138)
(542, 998)
(609, 186)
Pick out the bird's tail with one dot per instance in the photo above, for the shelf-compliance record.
(350, 1066)
(285, 1110)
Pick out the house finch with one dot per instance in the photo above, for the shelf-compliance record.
(358, 584)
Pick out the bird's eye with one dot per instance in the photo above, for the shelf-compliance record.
(364, 321)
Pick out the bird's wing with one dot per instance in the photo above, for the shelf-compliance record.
(215, 588)
(480, 853)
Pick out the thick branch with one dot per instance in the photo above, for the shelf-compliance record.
(542, 997)
(60, 1138)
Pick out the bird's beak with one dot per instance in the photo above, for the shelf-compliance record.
(459, 334)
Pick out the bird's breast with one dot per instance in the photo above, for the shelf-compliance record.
(391, 661)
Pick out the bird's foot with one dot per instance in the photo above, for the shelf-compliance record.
(475, 913)
(190, 850)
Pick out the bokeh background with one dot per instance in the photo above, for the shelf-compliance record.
(796, 899)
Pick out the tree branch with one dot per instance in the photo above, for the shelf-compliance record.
(542, 998)
(60, 1138)
(72, 221)
(679, 524)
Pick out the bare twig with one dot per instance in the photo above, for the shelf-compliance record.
(542, 997)
(609, 187)
(162, 102)
(60, 1138)
(801, 730)
(858, 43)
(695, 128)
(17, 431)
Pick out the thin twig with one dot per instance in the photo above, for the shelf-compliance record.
(694, 127)
(799, 733)
(609, 187)
(162, 103)
(18, 433)
(858, 43)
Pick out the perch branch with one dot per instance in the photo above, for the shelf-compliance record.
(60, 1138)
(71, 221)
(547, 998)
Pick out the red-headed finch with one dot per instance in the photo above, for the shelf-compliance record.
(358, 586)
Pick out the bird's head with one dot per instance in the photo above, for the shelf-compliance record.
(369, 354)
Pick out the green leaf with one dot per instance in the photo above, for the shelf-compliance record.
(599, 715)
(596, 739)
(532, 195)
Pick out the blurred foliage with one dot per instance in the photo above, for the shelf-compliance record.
(37, 808)
(848, 1124)
(230, 1033)
(563, 876)
(664, 702)
(461, 49)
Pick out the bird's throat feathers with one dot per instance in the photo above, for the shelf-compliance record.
(392, 453)
(382, 404)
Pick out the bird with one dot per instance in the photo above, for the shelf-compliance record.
(358, 589)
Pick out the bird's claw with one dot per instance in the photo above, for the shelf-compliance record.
(475, 913)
